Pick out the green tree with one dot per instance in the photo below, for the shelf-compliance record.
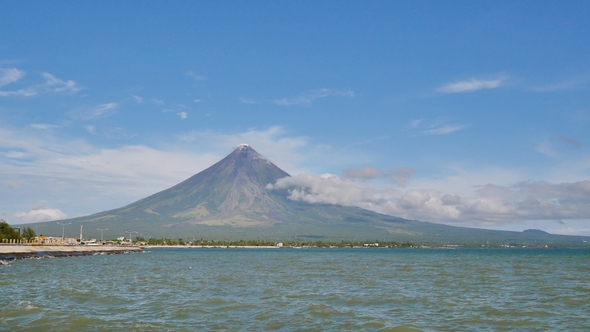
(28, 233)
(7, 232)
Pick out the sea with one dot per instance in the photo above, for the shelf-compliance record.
(301, 290)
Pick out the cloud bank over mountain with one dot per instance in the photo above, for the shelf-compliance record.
(489, 204)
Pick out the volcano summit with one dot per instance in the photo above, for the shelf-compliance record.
(232, 200)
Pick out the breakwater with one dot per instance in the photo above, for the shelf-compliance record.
(11, 252)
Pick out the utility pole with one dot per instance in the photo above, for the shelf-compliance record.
(101, 233)
(63, 227)
(130, 232)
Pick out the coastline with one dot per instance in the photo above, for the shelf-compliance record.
(209, 247)
(14, 252)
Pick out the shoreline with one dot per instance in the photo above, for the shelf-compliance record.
(210, 247)
(16, 252)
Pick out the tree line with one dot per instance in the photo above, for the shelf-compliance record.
(266, 243)
(8, 232)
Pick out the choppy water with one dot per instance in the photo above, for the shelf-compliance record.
(300, 290)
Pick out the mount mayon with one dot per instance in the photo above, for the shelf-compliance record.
(234, 199)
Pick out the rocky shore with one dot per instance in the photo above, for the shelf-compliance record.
(12, 252)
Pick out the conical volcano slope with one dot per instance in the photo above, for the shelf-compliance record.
(231, 192)
(231, 200)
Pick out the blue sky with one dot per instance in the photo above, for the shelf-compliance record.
(466, 113)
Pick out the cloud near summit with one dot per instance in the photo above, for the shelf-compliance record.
(490, 204)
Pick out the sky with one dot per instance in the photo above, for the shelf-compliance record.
(467, 113)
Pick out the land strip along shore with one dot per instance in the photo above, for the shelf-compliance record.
(209, 246)
(10, 252)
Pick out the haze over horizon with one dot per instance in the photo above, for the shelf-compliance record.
(468, 114)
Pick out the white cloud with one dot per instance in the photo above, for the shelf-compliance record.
(311, 96)
(20, 92)
(79, 178)
(15, 154)
(43, 126)
(196, 76)
(10, 75)
(138, 99)
(546, 148)
(181, 114)
(96, 112)
(411, 203)
(554, 147)
(157, 102)
(247, 101)
(54, 84)
(444, 129)
(90, 129)
(306, 98)
(45, 168)
(439, 126)
(471, 85)
(490, 204)
(416, 122)
(40, 215)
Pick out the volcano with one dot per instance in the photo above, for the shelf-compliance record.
(231, 200)
(231, 192)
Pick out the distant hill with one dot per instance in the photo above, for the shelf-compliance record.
(535, 231)
(230, 201)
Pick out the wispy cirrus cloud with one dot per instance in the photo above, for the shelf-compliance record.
(248, 101)
(43, 126)
(472, 85)
(554, 147)
(311, 96)
(195, 76)
(96, 112)
(180, 113)
(19, 93)
(444, 129)
(441, 126)
(52, 84)
(10, 75)
(306, 98)
(565, 139)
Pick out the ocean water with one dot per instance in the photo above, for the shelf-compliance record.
(301, 290)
